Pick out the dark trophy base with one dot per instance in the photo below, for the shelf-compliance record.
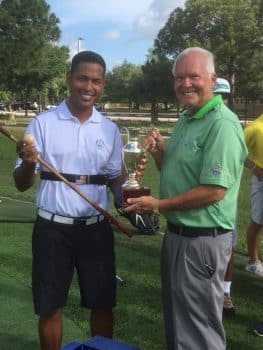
(134, 193)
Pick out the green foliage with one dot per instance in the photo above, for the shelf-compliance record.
(135, 85)
(5, 96)
(29, 58)
(157, 82)
(232, 30)
(122, 84)
(25, 26)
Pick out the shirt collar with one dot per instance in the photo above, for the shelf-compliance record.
(211, 104)
(64, 113)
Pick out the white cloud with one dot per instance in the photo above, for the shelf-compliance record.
(146, 17)
(112, 35)
(138, 22)
(75, 12)
(147, 25)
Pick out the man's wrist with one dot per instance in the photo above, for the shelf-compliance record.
(156, 207)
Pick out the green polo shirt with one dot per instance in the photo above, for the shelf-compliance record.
(207, 148)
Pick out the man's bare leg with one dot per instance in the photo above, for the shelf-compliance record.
(50, 331)
(253, 240)
(101, 323)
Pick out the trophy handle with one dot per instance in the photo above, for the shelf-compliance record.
(125, 131)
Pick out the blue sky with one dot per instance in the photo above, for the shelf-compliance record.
(117, 29)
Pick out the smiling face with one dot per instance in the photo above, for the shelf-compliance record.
(193, 85)
(86, 83)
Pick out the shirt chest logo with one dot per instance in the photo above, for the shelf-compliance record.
(100, 144)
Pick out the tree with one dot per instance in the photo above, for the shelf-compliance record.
(157, 82)
(52, 67)
(28, 55)
(232, 30)
(250, 83)
(122, 83)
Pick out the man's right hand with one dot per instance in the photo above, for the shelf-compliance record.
(258, 172)
(153, 141)
(154, 144)
(27, 151)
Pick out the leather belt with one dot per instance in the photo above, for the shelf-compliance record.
(68, 220)
(77, 179)
(196, 231)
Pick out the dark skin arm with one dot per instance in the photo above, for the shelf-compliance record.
(255, 169)
(24, 175)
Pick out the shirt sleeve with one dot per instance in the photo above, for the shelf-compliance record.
(224, 154)
(114, 165)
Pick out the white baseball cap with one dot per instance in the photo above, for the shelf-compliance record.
(222, 86)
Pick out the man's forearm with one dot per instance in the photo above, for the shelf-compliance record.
(249, 164)
(115, 186)
(197, 197)
(255, 169)
(24, 176)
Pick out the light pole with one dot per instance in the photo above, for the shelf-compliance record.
(79, 40)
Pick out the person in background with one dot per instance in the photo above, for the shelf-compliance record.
(222, 87)
(68, 234)
(201, 168)
(254, 140)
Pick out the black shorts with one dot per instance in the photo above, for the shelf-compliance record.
(57, 250)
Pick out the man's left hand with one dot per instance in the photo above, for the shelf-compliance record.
(140, 205)
(258, 172)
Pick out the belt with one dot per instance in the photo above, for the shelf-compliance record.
(196, 231)
(77, 179)
(68, 220)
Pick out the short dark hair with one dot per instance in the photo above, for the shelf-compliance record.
(87, 56)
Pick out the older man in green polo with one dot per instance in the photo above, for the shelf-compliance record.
(201, 167)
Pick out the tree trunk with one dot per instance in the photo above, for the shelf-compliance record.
(231, 77)
(154, 112)
(137, 106)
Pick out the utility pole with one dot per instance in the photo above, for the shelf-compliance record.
(79, 40)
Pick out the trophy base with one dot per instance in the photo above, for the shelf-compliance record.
(134, 193)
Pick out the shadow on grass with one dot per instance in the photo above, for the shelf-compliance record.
(13, 342)
(18, 324)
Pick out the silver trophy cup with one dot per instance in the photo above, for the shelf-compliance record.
(133, 154)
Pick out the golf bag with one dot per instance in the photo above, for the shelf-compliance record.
(100, 343)
(145, 223)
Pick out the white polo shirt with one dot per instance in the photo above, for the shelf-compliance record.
(89, 148)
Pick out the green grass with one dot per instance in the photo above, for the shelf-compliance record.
(138, 315)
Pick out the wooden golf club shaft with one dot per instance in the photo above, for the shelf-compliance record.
(82, 195)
